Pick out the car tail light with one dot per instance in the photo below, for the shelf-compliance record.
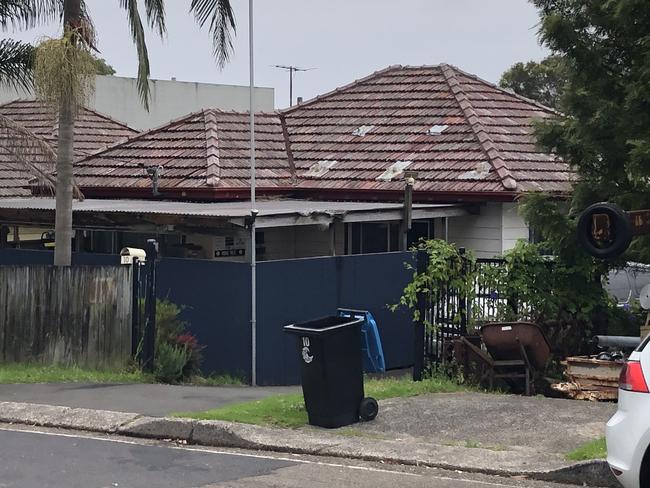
(632, 378)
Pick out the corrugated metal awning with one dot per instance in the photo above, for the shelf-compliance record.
(271, 213)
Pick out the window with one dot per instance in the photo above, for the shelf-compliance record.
(367, 238)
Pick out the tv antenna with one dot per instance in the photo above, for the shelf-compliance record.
(291, 70)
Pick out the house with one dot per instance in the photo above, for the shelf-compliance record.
(467, 144)
(119, 98)
(93, 131)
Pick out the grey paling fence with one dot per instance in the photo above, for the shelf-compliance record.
(71, 315)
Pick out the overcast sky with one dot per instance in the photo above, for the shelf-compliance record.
(344, 39)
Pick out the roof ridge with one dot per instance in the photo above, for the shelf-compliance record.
(339, 89)
(484, 139)
(287, 147)
(213, 169)
(504, 90)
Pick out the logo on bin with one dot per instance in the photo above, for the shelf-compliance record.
(306, 356)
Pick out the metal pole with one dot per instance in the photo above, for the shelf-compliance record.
(291, 86)
(253, 210)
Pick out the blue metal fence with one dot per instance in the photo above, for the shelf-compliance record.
(215, 297)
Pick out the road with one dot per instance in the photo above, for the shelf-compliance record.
(32, 458)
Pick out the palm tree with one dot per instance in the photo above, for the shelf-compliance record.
(78, 29)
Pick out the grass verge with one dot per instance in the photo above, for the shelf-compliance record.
(38, 373)
(12, 373)
(596, 449)
(288, 410)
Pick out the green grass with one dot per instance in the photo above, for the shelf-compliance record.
(38, 373)
(288, 410)
(590, 450)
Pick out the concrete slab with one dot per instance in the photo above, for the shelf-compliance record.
(492, 421)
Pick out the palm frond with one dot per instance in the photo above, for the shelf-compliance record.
(220, 15)
(29, 13)
(156, 15)
(16, 62)
(31, 152)
(137, 32)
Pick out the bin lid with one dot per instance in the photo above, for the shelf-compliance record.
(323, 325)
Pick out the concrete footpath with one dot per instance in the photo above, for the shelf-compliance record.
(492, 434)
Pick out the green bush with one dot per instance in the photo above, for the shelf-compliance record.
(170, 362)
(178, 354)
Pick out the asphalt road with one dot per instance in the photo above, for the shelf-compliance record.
(32, 458)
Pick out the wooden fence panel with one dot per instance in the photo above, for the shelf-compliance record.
(69, 315)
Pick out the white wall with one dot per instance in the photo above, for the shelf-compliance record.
(494, 230)
(481, 233)
(514, 227)
(118, 98)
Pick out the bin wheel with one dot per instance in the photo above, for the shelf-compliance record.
(368, 409)
(622, 231)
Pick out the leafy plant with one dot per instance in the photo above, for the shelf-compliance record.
(178, 353)
(170, 362)
(447, 268)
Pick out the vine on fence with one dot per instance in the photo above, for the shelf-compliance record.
(566, 298)
(446, 265)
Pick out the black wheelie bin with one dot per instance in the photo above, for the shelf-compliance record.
(329, 352)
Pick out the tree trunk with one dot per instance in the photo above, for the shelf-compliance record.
(65, 157)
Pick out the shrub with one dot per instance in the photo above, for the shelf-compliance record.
(178, 352)
(170, 362)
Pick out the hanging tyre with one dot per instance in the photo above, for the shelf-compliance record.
(619, 231)
(368, 409)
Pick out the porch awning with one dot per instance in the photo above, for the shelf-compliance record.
(140, 215)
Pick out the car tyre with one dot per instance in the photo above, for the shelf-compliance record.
(621, 223)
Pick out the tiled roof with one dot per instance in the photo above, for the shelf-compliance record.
(461, 134)
(93, 132)
(207, 149)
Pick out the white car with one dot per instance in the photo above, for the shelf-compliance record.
(628, 431)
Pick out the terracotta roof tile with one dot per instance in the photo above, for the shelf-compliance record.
(209, 148)
(460, 133)
(93, 132)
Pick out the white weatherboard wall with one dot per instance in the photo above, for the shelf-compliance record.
(494, 230)
(118, 98)
(514, 227)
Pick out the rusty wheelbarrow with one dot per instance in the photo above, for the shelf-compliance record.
(515, 350)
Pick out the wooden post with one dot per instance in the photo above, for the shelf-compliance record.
(407, 221)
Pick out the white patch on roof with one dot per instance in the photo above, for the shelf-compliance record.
(363, 130)
(319, 168)
(395, 170)
(436, 130)
(480, 172)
